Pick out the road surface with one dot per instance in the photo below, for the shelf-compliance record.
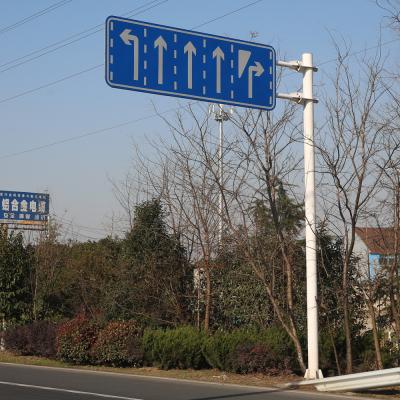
(19, 382)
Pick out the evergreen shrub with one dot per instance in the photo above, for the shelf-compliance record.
(175, 348)
(75, 339)
(118, 344)
(219, 347)
(268, 351)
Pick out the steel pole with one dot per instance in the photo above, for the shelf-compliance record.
(313, 371)
(221, 171)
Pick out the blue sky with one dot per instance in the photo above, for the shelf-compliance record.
(77, 173)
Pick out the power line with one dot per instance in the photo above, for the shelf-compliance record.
(98, 28)
(227, 14)
(32, 17)
(361, 51)
(91, 229)
(34, 55)
(99, 65)
(87, 134)
(99, 131)
(68, 227)
(5, 100)
(46, 85)
(74, 234)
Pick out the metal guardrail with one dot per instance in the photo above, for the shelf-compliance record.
(364, 380)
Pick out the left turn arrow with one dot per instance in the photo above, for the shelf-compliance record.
(127, 38)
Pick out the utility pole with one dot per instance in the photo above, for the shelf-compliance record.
(220, 116)
(4, 232)
(305, 66)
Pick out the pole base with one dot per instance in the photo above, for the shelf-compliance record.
(313, 374)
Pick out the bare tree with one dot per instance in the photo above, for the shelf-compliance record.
(269, 161)
(183, 176)
(351, 143)
(389, 187)
(259, 160)
(392, 9)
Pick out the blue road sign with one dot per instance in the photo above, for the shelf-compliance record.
(176, 62)
(24, 207)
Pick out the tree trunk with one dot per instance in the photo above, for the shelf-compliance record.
(394, 270)
(339, 370)
(208, 299)
(290, 329)
(346, 318)
(3, 329)
(378, 354)
(393, 282)
(347, 333)
(299, 350)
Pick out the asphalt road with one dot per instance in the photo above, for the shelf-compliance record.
(19, 382)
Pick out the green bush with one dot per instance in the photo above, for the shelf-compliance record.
(219, 347)
(118, 344)
(365, 357)
(174, 348)
(75, 339)
(278, 341)
(249, 350)
(329, 342)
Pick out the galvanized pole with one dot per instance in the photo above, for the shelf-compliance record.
(220, 116)
(309, 204)
(221, 173)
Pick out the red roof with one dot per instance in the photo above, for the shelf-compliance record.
(379, 240)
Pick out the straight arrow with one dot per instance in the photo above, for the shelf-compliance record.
(162, 45)
(190, 50)
(219, 55)
(258, 69)
(127, 38)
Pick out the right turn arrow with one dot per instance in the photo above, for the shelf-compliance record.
(258, 69)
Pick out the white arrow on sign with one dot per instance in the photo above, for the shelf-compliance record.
(219, 54)
(127, 38)
(162, 45)
(244, 56)
(258, 69)
(190, 50)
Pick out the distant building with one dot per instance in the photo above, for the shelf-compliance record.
(376, 247)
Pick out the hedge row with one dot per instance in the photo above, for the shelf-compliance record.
(36, 339)
(84, 341)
